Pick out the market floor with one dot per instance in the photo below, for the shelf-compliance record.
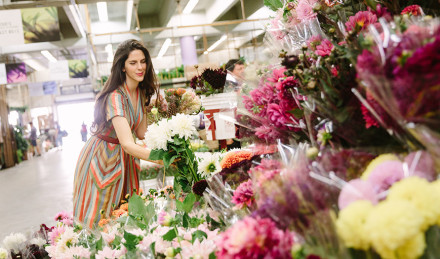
(34, 191)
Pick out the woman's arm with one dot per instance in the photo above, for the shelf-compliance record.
(125, 137)
(142, 129)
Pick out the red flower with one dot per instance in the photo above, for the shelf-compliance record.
(414, 10)
(361, 20)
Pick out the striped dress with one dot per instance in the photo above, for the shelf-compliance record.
(105, 173)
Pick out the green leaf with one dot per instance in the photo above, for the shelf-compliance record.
(212, 256)
(179, 206)
(274, 5)
(185, 220)
(188, 203)
(170, 235)
(198, 234)
(99, 244)
(131, 241)
(150, 213)
(298, 113)
(116, 242)
(136, 207)
(153, 248)
(157, 154)
(168, 159)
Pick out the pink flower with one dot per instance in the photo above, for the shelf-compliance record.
(421, 164)
(314, 41)
(334, 71)
(414, 10)
(254, 238)
(79, 252)
(267, 133)
(68, 222)
(55, 234)
(61, 215)
(385, 174)
(361, 20)
(164, 219)
(276, 27)
(325, 48)
(243, 195)
(277, 116)
(356, 190)
(108, 253)
(277, 74)
(304, 10)
(200, 250)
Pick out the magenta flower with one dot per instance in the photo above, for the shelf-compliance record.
(243, 195)
(55, 234)
(314, 41)
(334, 71)
(277, 74)
(381, 12)
(356, 190)
(414, 10)
(62, 215)
(254, 238)
(267, 133)
(325, 48)
(361, 20)
(304, 10)
(278, 116)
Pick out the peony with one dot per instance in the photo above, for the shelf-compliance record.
(183, 126)
(421, 194)
(391, 225)
(209, 165)
(304, 10)
(386, 174)
(243, 195)
(360, 20)
(356, 190)
(14, 242)
(377, 161)
(351, 224)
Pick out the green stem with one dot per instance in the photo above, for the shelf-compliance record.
(191, 168)
(178, 240)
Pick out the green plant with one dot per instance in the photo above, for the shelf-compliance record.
(21, 142)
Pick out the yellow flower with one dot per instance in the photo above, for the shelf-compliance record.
(391, 225)
(377, 161)
(436, 192)
(351, 224)
(413, 249)
(422, 194)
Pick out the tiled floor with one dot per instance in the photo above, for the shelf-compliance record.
(34, 191)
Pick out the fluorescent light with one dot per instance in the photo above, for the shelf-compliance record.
(215, 45)
(109, 50)
(129, 12)
(30, 61)
(205, 52)
(190, 6)
(102, 11)
(164, 48)
(77, 20)
(49, 56)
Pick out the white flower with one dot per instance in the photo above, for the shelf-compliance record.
(183, 126)
(68, 238)
(154, 111)
(209, 165)
(3, 253)
(14, 242)
(158, 135)
(40, 242)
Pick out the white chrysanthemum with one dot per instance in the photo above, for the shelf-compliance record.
(40, 242)
(14, 242)
(209, 165)
(158, 135)
(183, 126)
(3, 253)
(68, 238)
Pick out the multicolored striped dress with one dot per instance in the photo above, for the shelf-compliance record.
(105, 173)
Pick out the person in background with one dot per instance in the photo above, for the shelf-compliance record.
(84, 132)
(108, 165)
(33, 138)
(59, 136)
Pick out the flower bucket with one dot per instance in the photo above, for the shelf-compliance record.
(219, 115)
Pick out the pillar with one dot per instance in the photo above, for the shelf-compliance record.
(188, 51)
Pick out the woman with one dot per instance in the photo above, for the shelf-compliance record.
(108, 165)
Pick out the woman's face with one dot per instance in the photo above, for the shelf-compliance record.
(135, 66)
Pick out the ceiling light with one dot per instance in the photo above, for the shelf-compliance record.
(30, 61)
(215, 45)
(164, 48)
(102, 11)
(129, 12)
(190, 6)
(49, 56)
(205, 52)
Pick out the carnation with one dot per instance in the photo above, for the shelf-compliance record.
(243, 195)
(14, 242)
(392, 224)
(183, 126)
(421, 194)
(351, 224)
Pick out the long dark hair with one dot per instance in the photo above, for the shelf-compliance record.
(148, 86)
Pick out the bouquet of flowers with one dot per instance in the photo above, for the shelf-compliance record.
(169, 141)
(175, 101)
(210, 81)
